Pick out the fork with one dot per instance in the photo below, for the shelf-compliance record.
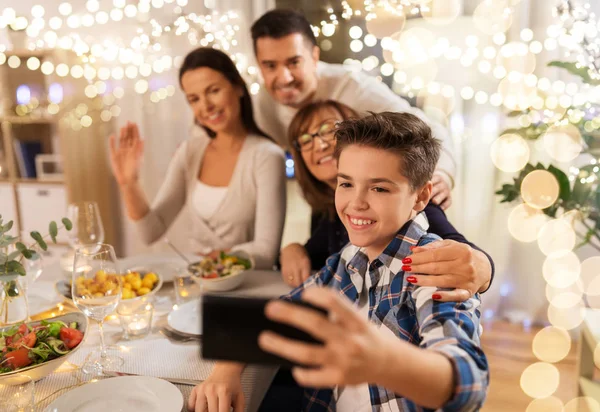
(176, 338)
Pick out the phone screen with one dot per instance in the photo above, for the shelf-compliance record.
(231, 326)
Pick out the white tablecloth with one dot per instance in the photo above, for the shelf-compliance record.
(153, 355)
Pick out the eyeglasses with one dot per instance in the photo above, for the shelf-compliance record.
(326, 133)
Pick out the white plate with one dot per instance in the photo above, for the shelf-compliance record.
(187, 318)
(122, 394)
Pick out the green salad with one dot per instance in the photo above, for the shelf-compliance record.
(25, 345)
(224, 265)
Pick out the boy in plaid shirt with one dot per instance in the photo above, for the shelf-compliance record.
(387, 345)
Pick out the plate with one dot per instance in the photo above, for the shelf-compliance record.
(122, 394)
(187, 318)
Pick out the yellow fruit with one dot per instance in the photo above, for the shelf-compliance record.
(151, 275)
(147, 283)
(143, 291)
(98, 295)
(136, 284)
(136, 275)
(127, 294)
(101, 276)
(126, 286)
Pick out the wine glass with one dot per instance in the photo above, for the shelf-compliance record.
(96, 290)
(87, 224)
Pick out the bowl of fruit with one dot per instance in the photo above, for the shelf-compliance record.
(223, 273)
(139, 286)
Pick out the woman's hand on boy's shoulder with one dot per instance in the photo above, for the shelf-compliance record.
(449, 264)
(295, 264)
(353, 350)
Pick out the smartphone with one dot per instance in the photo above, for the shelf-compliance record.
(231, 326)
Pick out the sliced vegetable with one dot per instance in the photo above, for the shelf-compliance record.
(18, 358)
(27, 341)
(71, 337)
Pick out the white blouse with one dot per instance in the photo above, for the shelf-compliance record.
(207, 199)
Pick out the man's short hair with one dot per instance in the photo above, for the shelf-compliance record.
(401, 133)
(278, 23)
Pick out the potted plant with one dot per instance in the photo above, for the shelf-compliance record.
(11, 266)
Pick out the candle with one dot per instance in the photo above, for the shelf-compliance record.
(137, 323)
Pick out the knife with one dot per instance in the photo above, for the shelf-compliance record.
(172, 380)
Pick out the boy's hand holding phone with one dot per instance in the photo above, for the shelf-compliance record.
(353, 351)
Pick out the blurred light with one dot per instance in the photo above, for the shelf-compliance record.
(524, 222)
(467, 93)
(551, 344)
(355, 32)
(47, 68)
(563, 143)
(527, 35)
(326, 45)
(65, 9)
(102, 17)
(561, 270)
(356, 46)
(141, 86)
(549, 404)
(510, 153)
(37, 11)
(86, 121)
(14, 62)
(55, 93)
(582, 404)
(566, 318)
(77, 71)
(33, 63)
(540, 189)
(370, 40)
(540, 380)
(556, 236)
(23, 94)
(328, 30)
(387, 69)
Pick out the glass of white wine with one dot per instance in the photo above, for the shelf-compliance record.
(97, 290)
(87, 224)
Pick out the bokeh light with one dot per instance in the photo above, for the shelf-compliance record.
(540, 380)
(524, 222)
(540, 189)
(561, 269)
(556, 236)
(549, 404)
(441, 12)
(551, 344)
(510, 153)
(582, 404)
(491, 17)
(386, 23)
(563, 143)
(566, 318)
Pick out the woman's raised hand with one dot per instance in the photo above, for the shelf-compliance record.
(125, 158)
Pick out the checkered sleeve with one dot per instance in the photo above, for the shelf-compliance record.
(453, 329)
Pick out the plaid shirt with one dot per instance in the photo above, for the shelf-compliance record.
(407, 311)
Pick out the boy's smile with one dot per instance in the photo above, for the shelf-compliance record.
(373, 198)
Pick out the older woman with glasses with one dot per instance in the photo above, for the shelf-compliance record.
(455, 263)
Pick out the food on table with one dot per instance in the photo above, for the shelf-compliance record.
(24, 345)
(134, 284)
(224, 265)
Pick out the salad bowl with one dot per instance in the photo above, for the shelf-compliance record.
(224, 273)
(41, 370)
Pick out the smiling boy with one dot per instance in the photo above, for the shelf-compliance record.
(386, 344)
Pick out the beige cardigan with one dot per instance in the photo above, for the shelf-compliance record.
(252, 213)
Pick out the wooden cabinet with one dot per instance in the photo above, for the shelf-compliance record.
(46, 113)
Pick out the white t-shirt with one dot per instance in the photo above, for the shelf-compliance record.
(357, 90)
(207, 199)
(356, 398)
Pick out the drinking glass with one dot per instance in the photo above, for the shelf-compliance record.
(87, 224)
(33, 270)
(18, 394)
(97, 290)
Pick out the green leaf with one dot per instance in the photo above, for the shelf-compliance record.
(563, 183)
(53, 231)
(23, 249)
(67, 223)
(12, 256)
(5, 228)
(6, 240)
(14, 267)
(572, 67)
(40, 241)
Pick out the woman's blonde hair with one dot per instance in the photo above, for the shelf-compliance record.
(317, 193)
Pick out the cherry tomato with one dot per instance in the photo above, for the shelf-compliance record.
(71, 337)
(27, 340)
(18, 358)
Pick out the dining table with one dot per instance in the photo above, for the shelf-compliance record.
(153, 355)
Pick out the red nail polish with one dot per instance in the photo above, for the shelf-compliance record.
(411, 279)
(407, 260)
(411, 248)
(436, 296)
(406, 268)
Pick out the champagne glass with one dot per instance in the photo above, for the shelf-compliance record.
(97, 290)
(87, 224)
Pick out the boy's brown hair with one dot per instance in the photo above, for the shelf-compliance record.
(401, 133)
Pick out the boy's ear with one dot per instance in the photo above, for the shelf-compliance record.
(423, 196)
